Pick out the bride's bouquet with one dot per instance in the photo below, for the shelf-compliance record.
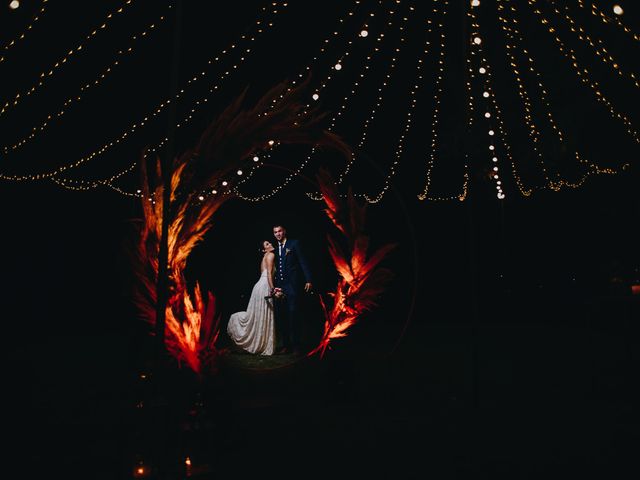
(276, 294)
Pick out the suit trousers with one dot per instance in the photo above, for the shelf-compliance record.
(287, 321)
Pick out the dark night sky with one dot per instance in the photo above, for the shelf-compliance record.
(542, 259)
(66, 245)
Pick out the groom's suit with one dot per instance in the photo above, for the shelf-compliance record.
(292, 272)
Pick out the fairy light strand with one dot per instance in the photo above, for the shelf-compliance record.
(503, 133)
(407, 126)
(600, 50)
(67, 58)
(322, 85)
(604, 18)
(340, 111)
(227, 189)
(154, 113)
(402, 39)
(493, 108)
(305, 71)
(297, 172)
(495, 164)
(198, 104)
(582, 73)
(544, 96)
(259, 159)
(385, 82)
(74, 99)
(532, 129)
(424, 195)
(20, 37)
(376, 107)
(484, 75)
(591, 167)
(471, 72)
(74, 184)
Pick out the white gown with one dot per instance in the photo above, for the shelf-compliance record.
(253, 330)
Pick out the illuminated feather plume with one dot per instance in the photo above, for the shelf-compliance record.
(361, 281)
(191, 323)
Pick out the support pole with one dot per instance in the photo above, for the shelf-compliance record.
(162, 285)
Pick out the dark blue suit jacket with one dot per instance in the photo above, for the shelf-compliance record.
(292, 269)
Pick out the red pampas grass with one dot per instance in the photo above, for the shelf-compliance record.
(192, 325)
(362, 280)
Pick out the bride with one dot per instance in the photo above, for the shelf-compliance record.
(253, 330)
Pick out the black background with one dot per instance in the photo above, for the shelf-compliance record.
(506, 347)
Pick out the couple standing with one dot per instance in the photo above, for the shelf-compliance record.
(271, 323)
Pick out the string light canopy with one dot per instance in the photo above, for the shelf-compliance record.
(389, 73)
(80, 184)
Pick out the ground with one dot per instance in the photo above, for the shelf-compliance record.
(535, 400)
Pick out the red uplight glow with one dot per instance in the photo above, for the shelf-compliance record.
(361, 278)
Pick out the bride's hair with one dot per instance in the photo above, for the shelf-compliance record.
(261, 245)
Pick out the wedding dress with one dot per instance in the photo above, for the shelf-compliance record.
(253, 330)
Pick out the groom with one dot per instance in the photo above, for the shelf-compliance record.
(291, 270)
